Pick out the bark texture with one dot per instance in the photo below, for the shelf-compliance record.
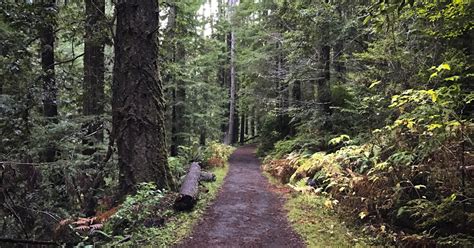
(138, 101)
(189, 189)
(339, 65)
(231, 137)
(50, 90)
(207, 177)
(324, 92)
(323, 86)
(178, 91)
(93, 90)
(94, 43)
(242, 128)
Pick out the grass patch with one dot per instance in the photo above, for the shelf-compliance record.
(317, 224)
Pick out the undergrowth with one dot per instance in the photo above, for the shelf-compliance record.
(314, 219)
(179, 224)
(319, 225)
(407, 181)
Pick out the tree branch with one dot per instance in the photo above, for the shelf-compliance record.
(68, 60)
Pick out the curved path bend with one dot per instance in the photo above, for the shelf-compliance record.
(247, 212)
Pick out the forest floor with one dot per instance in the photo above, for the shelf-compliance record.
(248, 212)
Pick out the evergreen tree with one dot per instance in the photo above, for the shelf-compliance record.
(138, 104)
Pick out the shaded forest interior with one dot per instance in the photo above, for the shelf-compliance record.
(106, 104)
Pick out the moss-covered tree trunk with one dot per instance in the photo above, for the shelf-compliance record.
(138, 102)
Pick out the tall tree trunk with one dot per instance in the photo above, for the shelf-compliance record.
(247, 124)
(138, 103)
(202, 137)
(222, 73)
(242, 128)
(235, 133)
(296, 93)
(179, 121)
(283, 96)
(323, 88)
(93, 91)
(338, 49)
(296, 102)
(230, 132)
(178, 91)
(282, 85)
(323, 91)
(339, 66)
(94, 66)
(252, 123)
(50, 91)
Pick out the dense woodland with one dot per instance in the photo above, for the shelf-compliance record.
(105, 103)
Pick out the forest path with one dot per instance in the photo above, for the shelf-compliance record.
(246, 213)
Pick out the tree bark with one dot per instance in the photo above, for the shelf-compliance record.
(296, 102)
(247, 124)
(50, 91)
(283, 96)
(138, 103)
(252, 123)
(189, 189)
(324, 92)
(178, 91)
(230, 132)
(235, 134)
(207, 177)
(242, 128)
(339, 65)
(202, 137)
(94, 66)
(323, 87)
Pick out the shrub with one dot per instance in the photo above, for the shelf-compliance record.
(217, 154)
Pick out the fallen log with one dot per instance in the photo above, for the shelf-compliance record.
(207, 176)
(189, 189)
(251, 138)
(30, 242)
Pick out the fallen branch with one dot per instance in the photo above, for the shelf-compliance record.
(207, 176)
(27, 241)
(251, 138)
(69, 60)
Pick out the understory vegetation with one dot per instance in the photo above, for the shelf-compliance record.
(148, 216)
(318, 224)
(393, 151)
(406, 181)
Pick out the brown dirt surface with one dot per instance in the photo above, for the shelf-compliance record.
(247, 212)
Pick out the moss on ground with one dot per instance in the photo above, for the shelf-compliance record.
(317, 224)
(312, 217)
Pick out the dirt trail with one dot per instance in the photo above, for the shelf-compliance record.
(246, 212)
